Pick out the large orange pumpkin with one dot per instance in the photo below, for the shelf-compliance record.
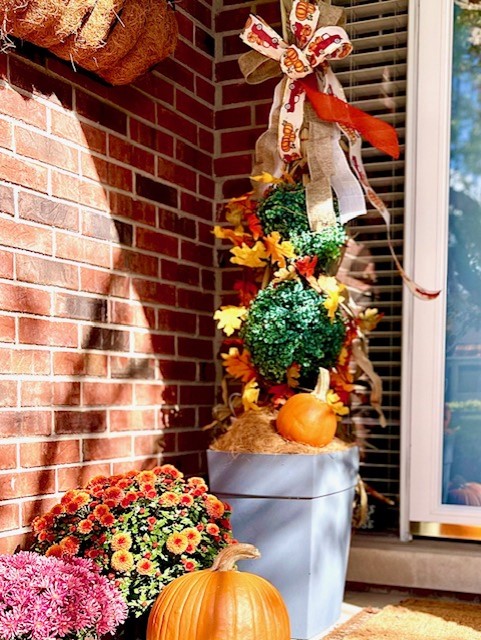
(220, 604)
(307, 417)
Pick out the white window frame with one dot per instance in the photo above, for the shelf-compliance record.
(425, 257)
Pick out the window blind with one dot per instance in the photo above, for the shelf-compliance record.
(374, 79)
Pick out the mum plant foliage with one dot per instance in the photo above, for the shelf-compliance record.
(142, 529)
(294, 315)
(49, 598)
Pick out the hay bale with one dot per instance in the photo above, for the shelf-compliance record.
(7, 7)
(157, 41)
(96, 29)
(255, 432)
(75, 14)
(123, 37)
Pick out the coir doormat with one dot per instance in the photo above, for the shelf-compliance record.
(414, 620)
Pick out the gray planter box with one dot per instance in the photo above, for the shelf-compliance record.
(297, 510)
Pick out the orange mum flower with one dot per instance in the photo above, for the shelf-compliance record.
(144, 567)
(214, 507)
(145, 476)
(81, 499)
(177, 543)
(98, 481)
(56, 510)
(122, 540)
(187, 500)
(170, 470)
(100, 511)
(55, 551)
(169, 499)
(113, 496)
(70, 545)
(39, 524)
(122, 561)
(212, 529)
(107, 520)
(85, 526)
(189, 565)
(70, 507)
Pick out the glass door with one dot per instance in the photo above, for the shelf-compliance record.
(442, 348)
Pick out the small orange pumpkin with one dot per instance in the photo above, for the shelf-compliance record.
(307, 417)
(220, 604)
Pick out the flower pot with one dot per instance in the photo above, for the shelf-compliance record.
(296, 509)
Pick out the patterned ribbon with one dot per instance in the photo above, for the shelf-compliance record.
(327, 116)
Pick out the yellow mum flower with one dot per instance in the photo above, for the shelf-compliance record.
(193, 535)
(122, 561)
(177, 543)
(250, 396)
(250, 256)
(122, 540)
(230, 318)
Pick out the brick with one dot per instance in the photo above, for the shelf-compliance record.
(155, 190)
(176, 222)
(24, 299)
(195, 348)
(6, 135)
(106, 393)
(7, 329)
(105, 448)
(195, 300)
(206, 140)
(179, 74)
(14, 104)
(197, 61)
(207, 187)
(177, 370)
(74, 477)
(106, 172)
(33, 508)
(240, 165)
(36, 393)
(178, 321)
(171, 418)
(6, 264)
(148, 445)
(9, 517)
(8, 393)
(106, 115)
(132, 313)
(46, 454)
(69, 187)
(158, 292)
(46, 149)
(197, 253)
(43, 271)
(25, 236)
(158, 242)
(72, 363)
(66, 394)
(80, 307)
(137, 368)
(149, 394)
(176, 272)
(83, 250)
(136, 263)
(132, 420)
(7, 202)
(47, 211)
(104, 227)
(30, 78)
(170, 120)
(131, 208)
(30, 483)
(25, 423)
(24, 361)
(8, 456)
(68, 127)
(124, 151)
(200, 207)
(150, 343)
(20, 172)
(181, 176)
(45, 332)
(150, 137)
(105, 339)
(13, 544)
(80, 421)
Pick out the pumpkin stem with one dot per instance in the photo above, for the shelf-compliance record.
(227, 558)
(322, 386)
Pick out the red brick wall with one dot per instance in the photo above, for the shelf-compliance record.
(106, 270)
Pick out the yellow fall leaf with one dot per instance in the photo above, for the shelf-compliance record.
(250, 396)
(278, 251)
(369, 319)
(334, 290)
(293, 374)
(335, 403)
(266, 178)
(286, 273)
(249, 256)
(230, 318)
(239, 365)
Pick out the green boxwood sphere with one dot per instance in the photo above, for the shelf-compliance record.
(287, 323)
